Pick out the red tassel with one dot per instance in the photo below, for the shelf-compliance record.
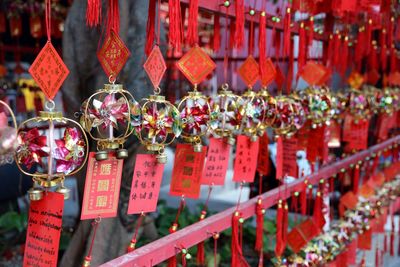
(236, 245)
(362, 263)
(385, 248)
(390, 33)
(239, 30)
(344, 51)
(383, 55)
(251, 38)
(286, 32)
(373, 61)
(279, 247)
(318, 217)
(356, 179)
(150, 27)
(113, 16)
(260, 211)
(192, 34)
(172, 261)
(302, 48)
(377, 260)
(303, 201)
(336, 50)
(200, 247)
(368, 37)
(392, 243)
(217, 34)
(262, 35)
(285, 225)
(310, 35)
(359, 49)
(175, 24)
(277, 41)
(93, 13)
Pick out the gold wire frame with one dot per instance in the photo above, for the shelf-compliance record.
(269, 100)
(102, 142)
(288, 129)
(158, 146)
(233, 98)
(195, 95)
(250, 96)
(43, 179)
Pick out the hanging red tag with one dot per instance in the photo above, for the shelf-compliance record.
(44, 230)
(296, 240)
(245, 161)
(364, 240)
(279, 158)
(289, 165)
(373, 76)
(249, 71)
(315, 148)
(187, 171)
(103, 181)
(146, 184)
(113, 54)
(268, 73)
(263, 156)
(351, 253)
(155, 66)
(196, 65)
(313, 73)
(334, 134)
(49, 71)
(217, 162)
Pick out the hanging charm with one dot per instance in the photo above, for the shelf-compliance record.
(194, 109)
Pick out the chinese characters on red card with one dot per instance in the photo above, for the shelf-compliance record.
(44, 229)
(217, 162)
(146, 184)
(103, 181)
(245, 161)
(187, 171)
(289, 165)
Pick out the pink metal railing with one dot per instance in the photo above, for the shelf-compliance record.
(164, 248)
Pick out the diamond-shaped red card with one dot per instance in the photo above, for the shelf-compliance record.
(155, 66)
(49, 71)
(196, 65)
(113, 55)
(268, 73)
(249, 71)
(312, 73)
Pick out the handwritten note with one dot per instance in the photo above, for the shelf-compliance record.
(289, 157)
(102, 185)
(44, 229)
(263, 155)
(146, 184)
(187, 171)
(246, 159)
(216, 163)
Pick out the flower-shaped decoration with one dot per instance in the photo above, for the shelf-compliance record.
(158, 123)
(109, 112)
(252, 110)
(32, 148)
(70, 151)
(299, 115)
(284, 116)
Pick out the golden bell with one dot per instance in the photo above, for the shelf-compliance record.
(197, 147)
(161, 158)
(254, 138)
(35, 193)
(65, 191)
(231, 141)
(101, 155)
(122, 154)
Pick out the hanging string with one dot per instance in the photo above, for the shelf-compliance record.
(217, 34)
(132, 244)
(174, 228)
(215, 237)
(262, 41)
(88, 258)
(48, 19)
(228, 44)
(286, 32)
(175, 24)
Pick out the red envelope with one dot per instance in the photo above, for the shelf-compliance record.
(246, 159)
(102, 185)
(44, 230)
(146, 184)
(187, 171)
(217, 162)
